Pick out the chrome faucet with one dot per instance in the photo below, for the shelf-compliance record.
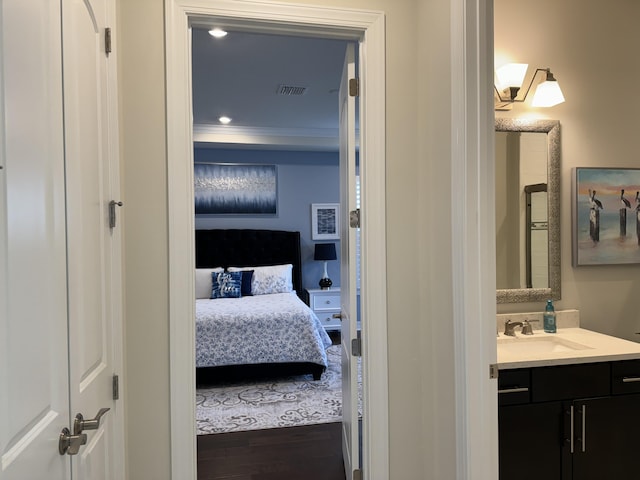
(509, 327)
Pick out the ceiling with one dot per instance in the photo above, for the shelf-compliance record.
(240, 76)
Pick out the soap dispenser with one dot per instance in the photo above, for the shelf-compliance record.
(549, 318)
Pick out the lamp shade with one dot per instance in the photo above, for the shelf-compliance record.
(547, 94)
(511, 75)
(325, 251)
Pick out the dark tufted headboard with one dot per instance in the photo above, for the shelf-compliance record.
(245, 248)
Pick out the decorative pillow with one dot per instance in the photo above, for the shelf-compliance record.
(271, 279)
(203, 281)
(245, 287)
(226, 285)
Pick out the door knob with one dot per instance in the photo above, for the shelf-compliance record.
(80, 424)
(70, 444)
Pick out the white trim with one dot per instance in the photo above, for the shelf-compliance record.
(473, 234)
(368, 27)
(323, 139)
(117, 462)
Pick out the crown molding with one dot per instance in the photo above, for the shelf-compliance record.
(216, 136)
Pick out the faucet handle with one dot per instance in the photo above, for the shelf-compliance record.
(527, 329)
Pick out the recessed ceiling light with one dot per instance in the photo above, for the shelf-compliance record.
(217, 32)
(224, 120)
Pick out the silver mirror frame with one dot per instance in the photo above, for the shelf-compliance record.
(552, 129)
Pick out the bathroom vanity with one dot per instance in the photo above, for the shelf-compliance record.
(569, 406)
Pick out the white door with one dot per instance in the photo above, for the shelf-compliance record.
(59, 259)
(350, 436)
(34, 403)
(93, 252)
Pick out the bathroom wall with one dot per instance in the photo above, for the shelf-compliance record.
(591, 47)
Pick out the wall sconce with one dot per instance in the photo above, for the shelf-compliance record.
(510, 78)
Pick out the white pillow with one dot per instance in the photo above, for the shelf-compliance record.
(203, 281)
(272, 279)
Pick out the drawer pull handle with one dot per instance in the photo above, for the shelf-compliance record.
(328, 302)
(584, 428)
(630, 379)
(572, 429)
(514, 390)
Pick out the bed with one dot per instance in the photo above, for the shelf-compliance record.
(258, 324)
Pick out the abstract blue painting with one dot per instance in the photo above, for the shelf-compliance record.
(606, 216)
(235, 189)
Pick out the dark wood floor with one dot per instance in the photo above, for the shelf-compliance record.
(312, 452)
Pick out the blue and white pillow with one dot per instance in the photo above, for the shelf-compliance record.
(226, 285)
(271, 279)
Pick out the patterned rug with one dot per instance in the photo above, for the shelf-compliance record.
(287, 402)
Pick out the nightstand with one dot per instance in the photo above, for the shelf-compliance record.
(326, 303)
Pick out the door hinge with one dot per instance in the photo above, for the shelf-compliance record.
(357, 474)
(356, 346)
(354, 218)
(493, 370)
(107, 41)
(112, 213)
(354, 87)
(116, 387)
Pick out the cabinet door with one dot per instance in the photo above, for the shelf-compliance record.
(530, 439)
(606, 432)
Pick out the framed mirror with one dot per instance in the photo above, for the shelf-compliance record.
(527, 233)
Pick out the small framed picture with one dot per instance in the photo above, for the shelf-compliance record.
(325, 221)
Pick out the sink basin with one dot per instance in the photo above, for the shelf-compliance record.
(532, 345)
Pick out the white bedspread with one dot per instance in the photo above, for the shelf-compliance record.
(276, 328)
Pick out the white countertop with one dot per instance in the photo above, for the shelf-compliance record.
(575, 345)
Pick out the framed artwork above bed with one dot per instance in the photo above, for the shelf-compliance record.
(235, 189)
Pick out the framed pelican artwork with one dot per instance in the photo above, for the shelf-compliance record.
(606, 216)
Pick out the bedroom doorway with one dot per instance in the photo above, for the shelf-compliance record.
(309, 172)
(318, 21)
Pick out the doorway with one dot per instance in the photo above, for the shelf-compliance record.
(240, 74)
(312, 20)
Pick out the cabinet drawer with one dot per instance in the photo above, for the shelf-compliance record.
(570, 381)
(327, 320)
(625, 377)
(326, 302)
(514, 387)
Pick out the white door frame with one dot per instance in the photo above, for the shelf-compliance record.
(365, 26)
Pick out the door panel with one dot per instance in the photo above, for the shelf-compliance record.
(33, 323)
(607, 441)
(350, 443)
(89, 239)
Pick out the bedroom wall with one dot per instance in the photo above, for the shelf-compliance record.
(591, 47)
(422, 431)
(303, 178)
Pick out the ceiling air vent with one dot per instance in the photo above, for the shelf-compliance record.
(291, 90)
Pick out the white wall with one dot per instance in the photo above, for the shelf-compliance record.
(420, 336)
(591, 47)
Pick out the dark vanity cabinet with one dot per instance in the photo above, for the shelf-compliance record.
(570, 422)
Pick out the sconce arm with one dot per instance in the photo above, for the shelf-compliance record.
(513, 91)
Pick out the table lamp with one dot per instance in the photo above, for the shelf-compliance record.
(325, 252)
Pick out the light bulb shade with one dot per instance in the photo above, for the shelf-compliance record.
(547, 94)
(325, 251)
(511, 75)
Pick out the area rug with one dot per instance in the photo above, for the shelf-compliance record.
(287, 402)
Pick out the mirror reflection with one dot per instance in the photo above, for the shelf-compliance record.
(527, 210)
(521, 210)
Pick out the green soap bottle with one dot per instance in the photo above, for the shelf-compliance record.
(549, 318)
